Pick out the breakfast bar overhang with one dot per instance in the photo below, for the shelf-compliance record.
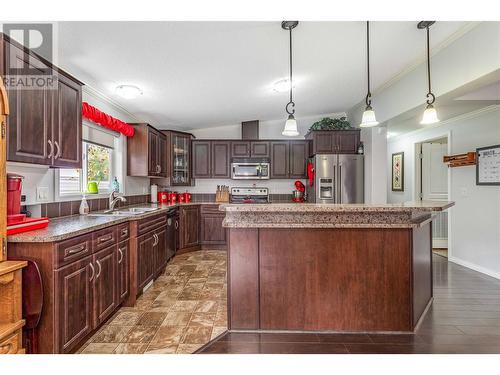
(339, 268)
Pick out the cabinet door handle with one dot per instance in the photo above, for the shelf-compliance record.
(124, 232)
(104, 239)
(169, 221)
(120, 252)
(155, 236)
(51, 153)
(58, 152)
(93, 272)
(77, 249)
(176, 224)
(99, 271)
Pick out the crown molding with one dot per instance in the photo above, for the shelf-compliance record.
(99, 95)
(463, 116)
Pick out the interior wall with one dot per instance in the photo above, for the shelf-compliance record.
(474, 221)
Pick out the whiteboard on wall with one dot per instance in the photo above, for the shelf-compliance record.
(488, 165)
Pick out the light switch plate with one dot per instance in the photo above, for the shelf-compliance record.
(42, 193)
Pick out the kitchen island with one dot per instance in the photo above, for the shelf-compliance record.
(327, 267)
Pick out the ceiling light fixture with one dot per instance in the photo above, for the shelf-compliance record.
(430, 114)
(290, 124)
(128, 91)
(368, 120)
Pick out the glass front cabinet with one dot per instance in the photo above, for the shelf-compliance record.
(181, 159)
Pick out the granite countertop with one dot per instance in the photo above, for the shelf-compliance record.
(311, 215)
(426, 206)
(70, 226)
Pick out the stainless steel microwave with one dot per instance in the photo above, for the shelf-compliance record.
(250, 169)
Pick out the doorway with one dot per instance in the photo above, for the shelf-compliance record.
(432, 185)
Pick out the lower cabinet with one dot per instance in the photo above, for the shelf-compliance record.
(73, 304)
(123, 273)
(212, 233)
(145, 259)
(189, 226)
(160, 248)
(105, 284)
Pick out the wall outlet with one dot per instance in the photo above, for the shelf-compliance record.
(42, 193)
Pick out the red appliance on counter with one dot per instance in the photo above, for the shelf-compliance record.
(298, 193)
(16, 221)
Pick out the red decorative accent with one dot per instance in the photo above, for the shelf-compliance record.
(103, 119)
(310, 173)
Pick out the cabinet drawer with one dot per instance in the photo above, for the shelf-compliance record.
(211, 209)
(104, 238)
(123, 232)
(11, 344)
(73, 249)
(145, 225)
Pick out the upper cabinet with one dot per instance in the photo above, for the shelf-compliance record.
(147, 152)
(211, 159)
(334, 141)
(180, 144)
(45, 123)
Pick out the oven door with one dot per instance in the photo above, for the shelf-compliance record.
(250, 171)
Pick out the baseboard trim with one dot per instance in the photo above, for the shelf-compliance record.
(474, 267)
(440, 243)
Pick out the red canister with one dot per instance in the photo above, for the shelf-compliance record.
(162, 197)
(182, 198)
(173, 197)
(187, 197)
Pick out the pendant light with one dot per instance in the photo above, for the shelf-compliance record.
(430, 114)
(368, 120)
(290, 124)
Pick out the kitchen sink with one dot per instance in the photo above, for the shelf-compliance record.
(125, 211)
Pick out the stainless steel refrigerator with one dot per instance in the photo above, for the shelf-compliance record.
(338, 178)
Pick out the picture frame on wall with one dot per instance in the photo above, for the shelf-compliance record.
(488, 166)
(398, 175)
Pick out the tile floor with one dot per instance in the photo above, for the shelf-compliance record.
(183, 310)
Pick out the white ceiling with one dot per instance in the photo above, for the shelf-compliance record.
(204, 74)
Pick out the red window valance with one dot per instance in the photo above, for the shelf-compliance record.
(93, 114)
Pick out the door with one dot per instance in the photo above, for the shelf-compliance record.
(105, 283)
(189, 226)
(67, 124)
(259, 149)
(212, 231)
(160, 250)
(350, 175)
(299, 151)
(73, 303)
(434, 186)
(347, 141)
(152, 153)
(123, 271)
(323, 142)
(221, 164)
(145, 259)
(325, 177)
(161, 156)
(201, 159)
(279, 159)
(240, 149)
(29, 124)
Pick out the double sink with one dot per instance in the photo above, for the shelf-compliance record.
(125, 211)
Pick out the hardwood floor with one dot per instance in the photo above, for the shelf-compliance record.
(464, 319)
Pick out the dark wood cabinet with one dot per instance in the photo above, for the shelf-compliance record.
(259, 149)
(123, 274)
(240, 149)
(67, 124)
(299, 153)
(221, 160)
(73, 304)
(189, 226)
(201, 159)
(160, 249)
(180, 156)
(147, 152)
(45, 124)
(279, 159)
(145, 259)
(334, 142)
(105, 283)
(171, 234)
(212, 233)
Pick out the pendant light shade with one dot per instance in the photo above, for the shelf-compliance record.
(430, 113)
(290, 129)
(368, 120)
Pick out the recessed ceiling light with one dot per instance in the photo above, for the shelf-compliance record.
(128, 91)
(283, 85)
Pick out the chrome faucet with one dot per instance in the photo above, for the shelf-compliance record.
(113, 199)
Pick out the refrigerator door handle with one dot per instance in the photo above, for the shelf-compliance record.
(334, 184)
(340, 183)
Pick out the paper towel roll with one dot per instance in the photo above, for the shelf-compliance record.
(154, 193)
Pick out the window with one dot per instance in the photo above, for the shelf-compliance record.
(97, 166)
